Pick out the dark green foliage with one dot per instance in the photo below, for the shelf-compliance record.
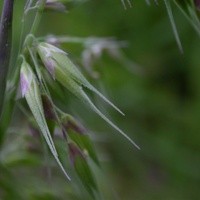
(161, 104)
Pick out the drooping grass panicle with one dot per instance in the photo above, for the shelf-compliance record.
(69, 67)
(51, 54)
(70, 77)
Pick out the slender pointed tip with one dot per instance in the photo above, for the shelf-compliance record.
(68, 178)
(119, 110)
(181, 50)
(66, 175)
(128, 138)
(133, 143)
(137, 147)
(115, 107)
(104, 98)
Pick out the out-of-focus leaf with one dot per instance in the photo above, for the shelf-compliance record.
(187, 7)
(129, 3)
(171, 18)
(21, 158)
(82, 169)
(9, 188)
(184, 4)
(197, 4)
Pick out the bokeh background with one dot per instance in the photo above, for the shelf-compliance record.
(156, 86)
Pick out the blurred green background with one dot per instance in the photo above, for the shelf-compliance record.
(160, 99)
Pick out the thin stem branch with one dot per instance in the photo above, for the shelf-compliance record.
(38, 17)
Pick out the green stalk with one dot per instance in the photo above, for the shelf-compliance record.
(10, 97)
(5, 46)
